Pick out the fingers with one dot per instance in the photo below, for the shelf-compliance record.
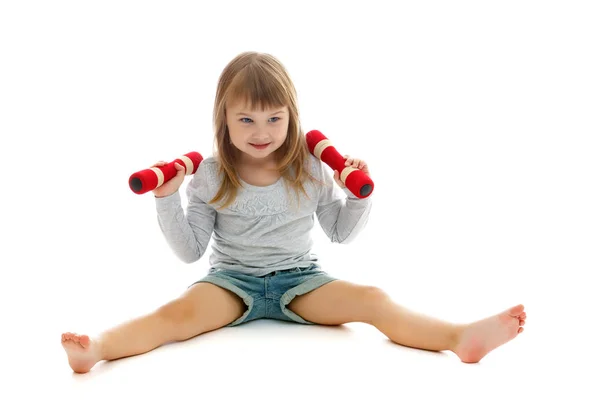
(178, 166)
(356, 163)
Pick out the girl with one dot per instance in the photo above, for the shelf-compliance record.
(257, 198)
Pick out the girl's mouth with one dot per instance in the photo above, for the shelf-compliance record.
(260, 146)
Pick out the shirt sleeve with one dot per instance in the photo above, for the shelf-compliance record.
(341, 218)
(188, 234)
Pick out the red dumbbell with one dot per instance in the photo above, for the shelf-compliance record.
(359, 183)
(150, 178)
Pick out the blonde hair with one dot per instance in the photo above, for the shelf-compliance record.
(261, 81)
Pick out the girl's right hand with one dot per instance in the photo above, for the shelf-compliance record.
(172, 186)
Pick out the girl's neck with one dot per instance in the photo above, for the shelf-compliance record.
(267, 163)
(258, 174)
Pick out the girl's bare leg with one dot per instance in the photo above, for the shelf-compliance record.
(340, 302)
(203, 307)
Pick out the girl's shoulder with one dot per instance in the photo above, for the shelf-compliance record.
(207, 179)
(315, 167)
(209, 165)
(208, 170)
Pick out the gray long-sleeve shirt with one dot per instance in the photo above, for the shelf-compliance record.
(265, 229)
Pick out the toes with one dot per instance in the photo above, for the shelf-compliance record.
(516, 310)
(68, 336)
(520, 330)
(84, 340)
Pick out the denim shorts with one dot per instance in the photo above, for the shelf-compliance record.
(267, 296)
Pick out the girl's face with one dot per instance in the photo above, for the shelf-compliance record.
(257, 134)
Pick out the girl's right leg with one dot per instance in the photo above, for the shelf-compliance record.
(203, 307)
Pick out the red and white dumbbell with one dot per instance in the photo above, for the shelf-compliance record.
(150, 178)
(359, 183)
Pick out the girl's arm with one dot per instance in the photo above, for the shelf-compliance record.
(341, 218)
(188, 234)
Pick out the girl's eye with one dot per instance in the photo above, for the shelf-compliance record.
(247, 120)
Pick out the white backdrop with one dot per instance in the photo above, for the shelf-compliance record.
(479, 122)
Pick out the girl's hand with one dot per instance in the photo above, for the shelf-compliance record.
(172, 186)
(351, 162)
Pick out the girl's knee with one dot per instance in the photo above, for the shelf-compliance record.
(177, 312)
(373, 295)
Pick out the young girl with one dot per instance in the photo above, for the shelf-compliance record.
(257, 198)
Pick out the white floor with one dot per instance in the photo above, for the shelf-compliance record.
(272, 359)
(479, 122)
(267, 359)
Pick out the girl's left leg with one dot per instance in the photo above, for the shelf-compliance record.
(340, 302)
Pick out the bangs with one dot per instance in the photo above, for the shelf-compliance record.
(258, 89)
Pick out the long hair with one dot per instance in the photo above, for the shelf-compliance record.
(261, 81)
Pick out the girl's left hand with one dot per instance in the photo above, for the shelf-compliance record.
(354, 163)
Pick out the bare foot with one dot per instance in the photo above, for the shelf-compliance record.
(82, 351)
(481, 337)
